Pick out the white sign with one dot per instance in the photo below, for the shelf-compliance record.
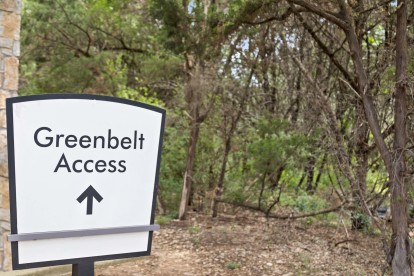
(81, 164)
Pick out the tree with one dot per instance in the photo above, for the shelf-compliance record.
(81, 46)
(233, 106)
(346, 18)
(401, 243)
(193, 28)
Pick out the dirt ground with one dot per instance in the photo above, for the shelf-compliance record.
(252, 245)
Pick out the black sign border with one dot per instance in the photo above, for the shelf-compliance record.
(12, 177)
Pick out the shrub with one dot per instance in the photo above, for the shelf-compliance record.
(232, 265)
(309, 203)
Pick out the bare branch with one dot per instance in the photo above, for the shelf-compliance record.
(312, 214)
(334, 18)
(326, 50)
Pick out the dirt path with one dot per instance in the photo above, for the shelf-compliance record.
(254, 246)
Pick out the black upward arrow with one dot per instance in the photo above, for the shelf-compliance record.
(89, 193)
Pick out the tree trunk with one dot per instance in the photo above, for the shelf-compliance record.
(320, 171)
(394, 162)
(160, 204)
(220, 185)
(193, 96)
(310, 168)
(400, 245)
(227, 145)
(359, 186)
(275, 177)
(189, 168)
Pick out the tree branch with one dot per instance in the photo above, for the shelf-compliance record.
(334, 18)
(281, 17)
(326, 50)
(311, 214)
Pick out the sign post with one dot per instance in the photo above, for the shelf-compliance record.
(83, 173)
(83, 269)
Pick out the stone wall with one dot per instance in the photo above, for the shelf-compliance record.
(9, 79)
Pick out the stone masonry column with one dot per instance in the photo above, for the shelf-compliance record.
(9, 79)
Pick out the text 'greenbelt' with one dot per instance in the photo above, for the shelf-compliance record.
(44, 137)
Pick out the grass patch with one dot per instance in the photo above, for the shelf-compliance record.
(194, 229)
(232, 265)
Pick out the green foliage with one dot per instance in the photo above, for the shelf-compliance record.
(82, 46)
(331, 219)
(269, 145)
(232, 265)
(194, 229)
(305, 203)
(174, 20)
(235, 192)
(105, 47)
(376, 177)
(135, 50)
(83, 75)
(163, 66)
(309, 203)
(162, 220)
(141, 95)
(275, 146)
(189, 29)
(360, 221)
(287, 200)
(208, 158)
(294, 178)
(376, 36)
(173, 161)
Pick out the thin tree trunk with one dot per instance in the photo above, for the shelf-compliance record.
(227, 145)
(193, 96)
(363, 86)
(220, 184)
(275, 178)
(359, 186)
(302, 178)
(310, 168)
(189, 168)
(320, 171)
(160, 204)
(400, 245)
(262, 187)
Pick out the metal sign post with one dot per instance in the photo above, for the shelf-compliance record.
(83, 173)
(83, 269)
